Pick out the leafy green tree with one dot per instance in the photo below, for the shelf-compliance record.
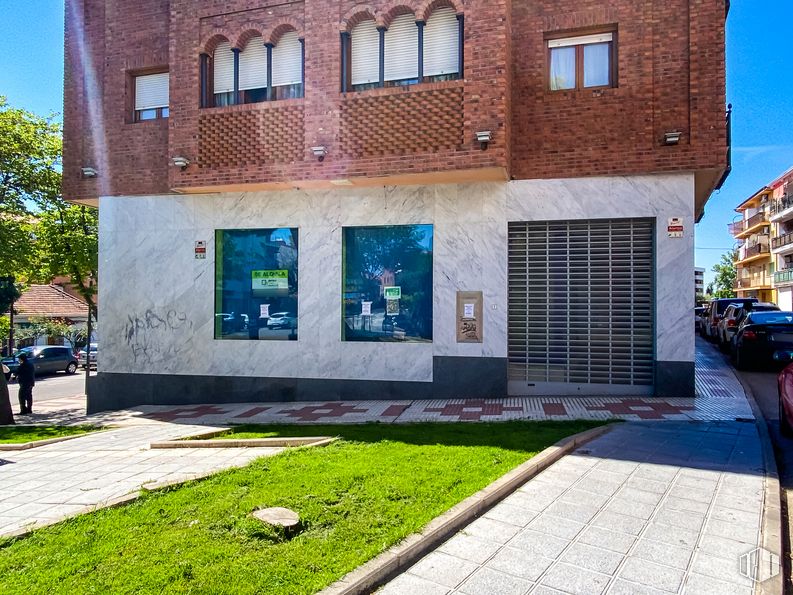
(723, 285)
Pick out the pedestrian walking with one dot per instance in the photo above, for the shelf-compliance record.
(26, 376)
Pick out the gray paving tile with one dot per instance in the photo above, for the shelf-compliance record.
(722, 569)
(578, 581)
(409, 584)
(543, 590)
(730, 515)
(735, 531)
(469, 547)
(647, 485)
(721, 547)
(684, 504)
(697, 482)
(487, 582)
(631, 508)
(441, 568)
(577, 496)
(655, 551)
(511, 514)
(556, 526)
(652, 575)
(679, 518)
(578, 512)
(619, 522)
(623, 587)
(672, 535)
(634, 495)
(696, 584)
(492, 530)
(592, 558)
(598, 486)
(540, 544)
(605, 538)
(695, 494)
(526, 565)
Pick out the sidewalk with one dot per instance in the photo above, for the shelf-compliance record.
(649, 508)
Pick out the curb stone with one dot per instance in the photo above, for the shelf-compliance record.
(372, 574)
(771, 524)
(36, 443)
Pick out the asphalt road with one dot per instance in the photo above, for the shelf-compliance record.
(52, 387)
(764, 387)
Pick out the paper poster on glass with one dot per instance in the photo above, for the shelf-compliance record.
(256, 284)
(390, 269)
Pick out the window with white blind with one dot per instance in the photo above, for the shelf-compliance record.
(365, 55)
(223, 74)
(288, 67)
(402, 50)
(582, 62)
(253, 71)
(442, 45)
(151, 96)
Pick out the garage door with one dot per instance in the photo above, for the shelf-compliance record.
(581, 307)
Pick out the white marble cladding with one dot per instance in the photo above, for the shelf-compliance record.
(157, 300)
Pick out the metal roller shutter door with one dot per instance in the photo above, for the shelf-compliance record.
(581, 307)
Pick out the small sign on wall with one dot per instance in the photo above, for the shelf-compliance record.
(675, 227)
(201, 249)
(469, 316)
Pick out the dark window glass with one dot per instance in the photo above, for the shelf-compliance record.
(256, 284)
(294, 91)
(224, 99)
(254, 95)
(387, 283)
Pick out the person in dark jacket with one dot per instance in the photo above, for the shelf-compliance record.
(26, 375)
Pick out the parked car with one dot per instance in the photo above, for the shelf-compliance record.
(715, 312)
(282, 320)
(733, 316)
(46, 359)
(698, 312)
(85, 357)
(763, 338)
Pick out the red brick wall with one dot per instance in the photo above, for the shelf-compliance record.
(662, 87)
(536, 133)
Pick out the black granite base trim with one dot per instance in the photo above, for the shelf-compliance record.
(674, 379)
(453, 377)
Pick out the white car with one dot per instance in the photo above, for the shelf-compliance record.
(282, 320)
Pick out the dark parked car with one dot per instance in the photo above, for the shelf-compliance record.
(733, 316)
(715, 312)
(785, 389)
(763, 338)
(46, 359)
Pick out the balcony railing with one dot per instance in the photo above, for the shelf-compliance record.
(741, 226)
(783, 276)
(781, 204)
(782, 240)
(753, 250)
(755, 281)
(728, 126)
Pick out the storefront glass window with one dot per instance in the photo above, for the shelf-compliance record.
(256, 284)
(387, 283)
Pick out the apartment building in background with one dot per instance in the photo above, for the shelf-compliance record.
(699, 281)
(781, 190)
(754, 263)
(319, 200)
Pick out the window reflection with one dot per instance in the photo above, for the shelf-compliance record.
(256, 284)
(387, 283)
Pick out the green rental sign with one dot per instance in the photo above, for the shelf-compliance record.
(392, 293)
(270, 281)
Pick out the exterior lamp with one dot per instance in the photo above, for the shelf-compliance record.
(484, 137)
(672, 138)
(319, 152)
(89, 172)
(180, 162)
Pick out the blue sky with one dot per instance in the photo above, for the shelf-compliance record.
(759, 85)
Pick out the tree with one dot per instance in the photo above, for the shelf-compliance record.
(723, 285)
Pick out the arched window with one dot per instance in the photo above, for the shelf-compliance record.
(253, 71)
(402, 51)
(287, 62)
(365, 56)
(442, 45)
(223, 74)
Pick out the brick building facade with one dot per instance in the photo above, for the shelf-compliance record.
(649, 145)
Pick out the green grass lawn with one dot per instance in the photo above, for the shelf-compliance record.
(22, 434)
(357, 497)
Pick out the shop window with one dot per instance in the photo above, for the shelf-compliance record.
(583, 62)
(151, 96)
(256, 287)
(387, 283)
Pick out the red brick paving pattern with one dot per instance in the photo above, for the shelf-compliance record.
(657, 409)
(188, 413)
(317, 412)
(472, 409)
(554, 409)
(252, 412)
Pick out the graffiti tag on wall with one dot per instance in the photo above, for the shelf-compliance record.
(150, 336)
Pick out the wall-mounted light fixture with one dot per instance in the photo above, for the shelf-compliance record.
(484, 137)
(180, 162)
(89, 172)
(672, 138)
(319, 152)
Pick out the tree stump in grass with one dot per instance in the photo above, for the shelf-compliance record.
(282, 519)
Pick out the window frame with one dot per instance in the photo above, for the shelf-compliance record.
(134, 117)
(346, 60)
(579, 58)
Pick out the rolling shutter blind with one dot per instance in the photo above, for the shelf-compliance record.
(402, 49)
(253, 65)
(441, 43)
(287, 61)
(151, 91)
(581, 302)
(583, 40)
(223, 70)
(365, 48)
